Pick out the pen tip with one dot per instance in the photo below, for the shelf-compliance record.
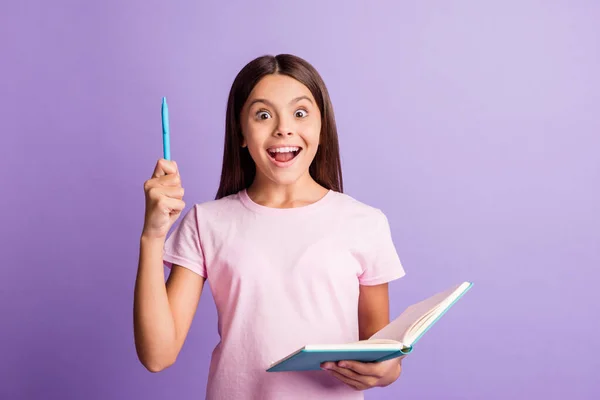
(164, 100)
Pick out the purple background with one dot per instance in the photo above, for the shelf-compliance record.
(474, 127)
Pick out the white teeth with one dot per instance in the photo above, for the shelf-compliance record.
(284, 149)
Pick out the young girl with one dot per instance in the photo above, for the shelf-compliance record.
(290, 259)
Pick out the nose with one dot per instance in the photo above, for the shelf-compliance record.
(284, 128)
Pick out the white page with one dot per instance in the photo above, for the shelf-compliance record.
(364, 345)
(397, 329)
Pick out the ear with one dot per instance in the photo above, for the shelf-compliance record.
(244, 144)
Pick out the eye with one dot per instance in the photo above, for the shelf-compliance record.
(301, 113)
(263, 115)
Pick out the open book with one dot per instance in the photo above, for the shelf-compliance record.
(394, 340)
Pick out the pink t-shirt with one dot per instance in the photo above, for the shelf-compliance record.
(282, 278)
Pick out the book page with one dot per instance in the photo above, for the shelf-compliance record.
(377, 341)
(422, 325)
(362, 345)
(399, 329)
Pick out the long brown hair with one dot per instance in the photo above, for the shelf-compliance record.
(238, 169)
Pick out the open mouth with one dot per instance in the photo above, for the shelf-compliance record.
(284, 154)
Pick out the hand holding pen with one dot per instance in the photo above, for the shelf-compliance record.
(164, 193)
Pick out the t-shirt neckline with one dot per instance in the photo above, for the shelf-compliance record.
(248, 202)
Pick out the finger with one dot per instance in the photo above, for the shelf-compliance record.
(170, 180)
(348, 373)
(365, 380)
(163, 181)
(165, 167)
(366, 369)
(169, 205)
(156, 193)
(350, 382)
(173, 192)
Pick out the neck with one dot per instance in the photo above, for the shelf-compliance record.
(271, 194)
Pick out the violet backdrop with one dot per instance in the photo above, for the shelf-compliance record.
(473, 125)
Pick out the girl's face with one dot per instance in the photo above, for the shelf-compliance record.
(281, 125)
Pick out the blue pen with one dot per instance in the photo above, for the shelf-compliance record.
(165, 128)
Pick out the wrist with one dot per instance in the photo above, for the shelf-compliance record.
(147, 239)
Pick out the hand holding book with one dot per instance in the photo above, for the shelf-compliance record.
(394, 340)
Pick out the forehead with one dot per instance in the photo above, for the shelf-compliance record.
(279, 89)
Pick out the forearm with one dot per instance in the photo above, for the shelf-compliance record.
(154, 325)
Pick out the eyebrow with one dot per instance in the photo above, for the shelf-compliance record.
(267, 102)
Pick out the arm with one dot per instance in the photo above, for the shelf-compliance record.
(163, 313)
(373, 309)
(373, 315)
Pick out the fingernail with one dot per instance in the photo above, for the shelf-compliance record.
(342, 364)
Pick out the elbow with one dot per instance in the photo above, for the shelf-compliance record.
(155, 366)
(156, 363)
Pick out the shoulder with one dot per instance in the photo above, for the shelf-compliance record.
(220, 205)
(352, 209)
(225, 208)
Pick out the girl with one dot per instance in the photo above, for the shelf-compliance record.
(290, 259)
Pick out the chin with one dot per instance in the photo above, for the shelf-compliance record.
(284, 179)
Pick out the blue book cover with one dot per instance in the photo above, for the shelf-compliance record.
(394, 340)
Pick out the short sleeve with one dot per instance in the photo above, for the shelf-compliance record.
(183, 246)
(381, 262)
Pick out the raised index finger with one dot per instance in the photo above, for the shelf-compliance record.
(165, 167)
